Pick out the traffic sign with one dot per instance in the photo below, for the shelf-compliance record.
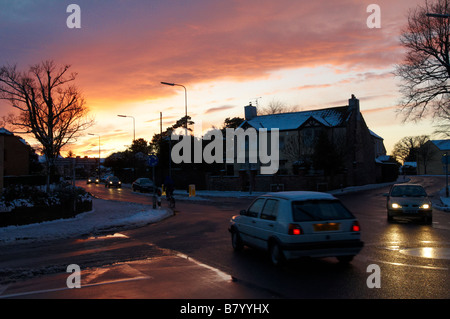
(152, 160)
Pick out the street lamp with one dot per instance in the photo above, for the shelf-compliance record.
(134, 125)
(185, 99)
(98, 153)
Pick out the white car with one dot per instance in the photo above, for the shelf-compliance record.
(409, 200)
(291, 225)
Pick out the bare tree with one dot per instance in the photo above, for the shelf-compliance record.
(49, 106)
(410, 148)
(276, 107)
(426, 69)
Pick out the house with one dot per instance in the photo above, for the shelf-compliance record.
(347, 158)
(14, 156)
(82, 167)
(430, 157)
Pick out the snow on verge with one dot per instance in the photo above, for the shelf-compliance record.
(105, 216)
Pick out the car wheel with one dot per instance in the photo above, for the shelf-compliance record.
(236, 241)
(345, 259)
(428, 219)
(276, 254)
(389, 217)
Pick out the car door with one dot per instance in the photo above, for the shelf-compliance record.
(266, 224)
(248, 223)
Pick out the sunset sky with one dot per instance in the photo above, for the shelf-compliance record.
(308, 54)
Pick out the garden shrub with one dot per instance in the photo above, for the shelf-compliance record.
(23, 204)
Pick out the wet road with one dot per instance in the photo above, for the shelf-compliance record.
(189, 256)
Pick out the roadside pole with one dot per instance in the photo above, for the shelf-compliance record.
(152, 162)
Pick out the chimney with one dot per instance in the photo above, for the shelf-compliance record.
(250, 112)
(353, 105)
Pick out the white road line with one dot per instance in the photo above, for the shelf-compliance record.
(409, 265)
(21, 294)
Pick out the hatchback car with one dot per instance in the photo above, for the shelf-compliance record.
(291, 225)
(143, 185)
(113, 181)
(409, 200)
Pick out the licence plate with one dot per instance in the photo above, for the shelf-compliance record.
(327, 226)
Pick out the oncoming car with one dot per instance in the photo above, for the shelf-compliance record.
(409, 200)
(92, 180)
(113, 181)
(291, 225)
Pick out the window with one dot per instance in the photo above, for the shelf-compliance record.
(270, 210)
(255, 208)
(312, 210)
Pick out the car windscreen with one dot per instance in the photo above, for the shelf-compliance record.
(311, 210)
(408, 191)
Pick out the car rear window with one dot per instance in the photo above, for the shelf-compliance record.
(319, 210)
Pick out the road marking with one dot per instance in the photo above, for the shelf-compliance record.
(409, 265)
(218, 272)
(21, 294)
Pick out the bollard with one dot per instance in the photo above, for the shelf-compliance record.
(192, 190)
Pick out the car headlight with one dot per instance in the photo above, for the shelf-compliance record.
(396, 206)
(425, 206)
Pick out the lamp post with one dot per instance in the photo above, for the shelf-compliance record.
(134, 125)
(438, 15)
(98, 153)
(185, 99)
(445, 161)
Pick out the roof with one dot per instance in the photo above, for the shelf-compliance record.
(331, 117)
(301, 195)
(375, 135)
(442, 145)
(4, 131)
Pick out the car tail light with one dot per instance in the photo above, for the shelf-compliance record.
(295, 229)
(355, 226)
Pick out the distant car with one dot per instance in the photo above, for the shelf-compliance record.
(143, 185)
(113, 181)
(92, 180)
(104, 177)
(291, 225)
(409, 200)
